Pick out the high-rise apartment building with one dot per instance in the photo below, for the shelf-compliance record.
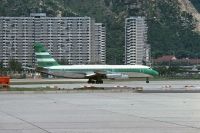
(136, 48)
(99, 47)
(67, 38)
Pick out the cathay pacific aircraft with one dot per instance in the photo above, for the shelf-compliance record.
(94, 73)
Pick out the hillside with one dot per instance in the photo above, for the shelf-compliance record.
(171, 31)
(196, 4)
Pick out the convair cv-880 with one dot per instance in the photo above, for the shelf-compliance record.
(94, 73)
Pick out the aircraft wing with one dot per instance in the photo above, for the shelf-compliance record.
(104, 74)
(90, 74)
(95, 73)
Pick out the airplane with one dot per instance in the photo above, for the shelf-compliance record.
(94, 73)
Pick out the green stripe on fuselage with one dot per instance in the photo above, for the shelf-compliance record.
(43, 56)
(47, 64)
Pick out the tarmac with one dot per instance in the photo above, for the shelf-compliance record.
(100, 113)
(161, 107)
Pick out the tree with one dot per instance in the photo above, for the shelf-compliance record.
(3, 70)
(1, 67)
(1, 64)
(15, 66)
(63, 62)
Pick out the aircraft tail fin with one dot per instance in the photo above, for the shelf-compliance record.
(43, 58)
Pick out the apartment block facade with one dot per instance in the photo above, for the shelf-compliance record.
(137, 51)
(67, 38)
(99, 47)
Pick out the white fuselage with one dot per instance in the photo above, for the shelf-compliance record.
(82, 71)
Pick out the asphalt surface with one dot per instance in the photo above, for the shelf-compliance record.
(100, 113)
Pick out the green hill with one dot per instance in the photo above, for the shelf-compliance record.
(170, 30)
(196, 4)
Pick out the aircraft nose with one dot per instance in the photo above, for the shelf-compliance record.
(155, 73)
(152, 72)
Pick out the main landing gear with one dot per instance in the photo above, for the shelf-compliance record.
(147, 80)
(95, 81)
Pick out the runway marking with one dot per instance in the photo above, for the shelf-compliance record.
(142, 117)
(30, 123)
(148, 118)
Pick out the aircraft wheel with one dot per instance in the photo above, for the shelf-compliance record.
(90, 81)
(99, 82)
(147, 80)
